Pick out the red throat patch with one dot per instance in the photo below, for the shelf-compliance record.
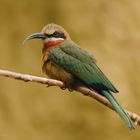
(52, 43)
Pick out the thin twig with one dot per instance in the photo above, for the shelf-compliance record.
(50, 82)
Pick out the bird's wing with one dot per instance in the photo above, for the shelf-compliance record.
(74, 50)
(82, 65)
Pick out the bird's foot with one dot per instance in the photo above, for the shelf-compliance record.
(67, 87)
(70, 89)
(63, 88)
(87, 94)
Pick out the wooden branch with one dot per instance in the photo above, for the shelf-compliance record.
(50, 82)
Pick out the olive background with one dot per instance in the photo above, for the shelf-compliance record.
(108, 29)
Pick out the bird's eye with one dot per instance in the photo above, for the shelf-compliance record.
(58, 35)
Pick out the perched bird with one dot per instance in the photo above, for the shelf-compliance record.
(64, 60)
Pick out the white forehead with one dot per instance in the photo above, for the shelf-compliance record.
(51, 28)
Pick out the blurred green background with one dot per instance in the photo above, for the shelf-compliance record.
(110, 30)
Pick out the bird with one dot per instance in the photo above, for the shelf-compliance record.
(64, 60)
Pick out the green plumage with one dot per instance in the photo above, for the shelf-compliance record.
(65, 61)
(83, 66)
(118, 109)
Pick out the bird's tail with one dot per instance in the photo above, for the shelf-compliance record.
(118, 109)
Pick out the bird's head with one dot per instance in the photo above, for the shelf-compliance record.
(52, 35)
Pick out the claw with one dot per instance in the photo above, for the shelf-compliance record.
(71, 90)
(88, 94)
(63, 88)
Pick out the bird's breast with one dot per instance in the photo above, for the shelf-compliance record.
(57, 73)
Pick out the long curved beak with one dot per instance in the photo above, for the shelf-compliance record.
(35, 36)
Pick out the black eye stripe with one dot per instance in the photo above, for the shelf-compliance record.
(57, 35)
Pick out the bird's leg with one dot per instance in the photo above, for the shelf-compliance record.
(73, 86)
(68, 86)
